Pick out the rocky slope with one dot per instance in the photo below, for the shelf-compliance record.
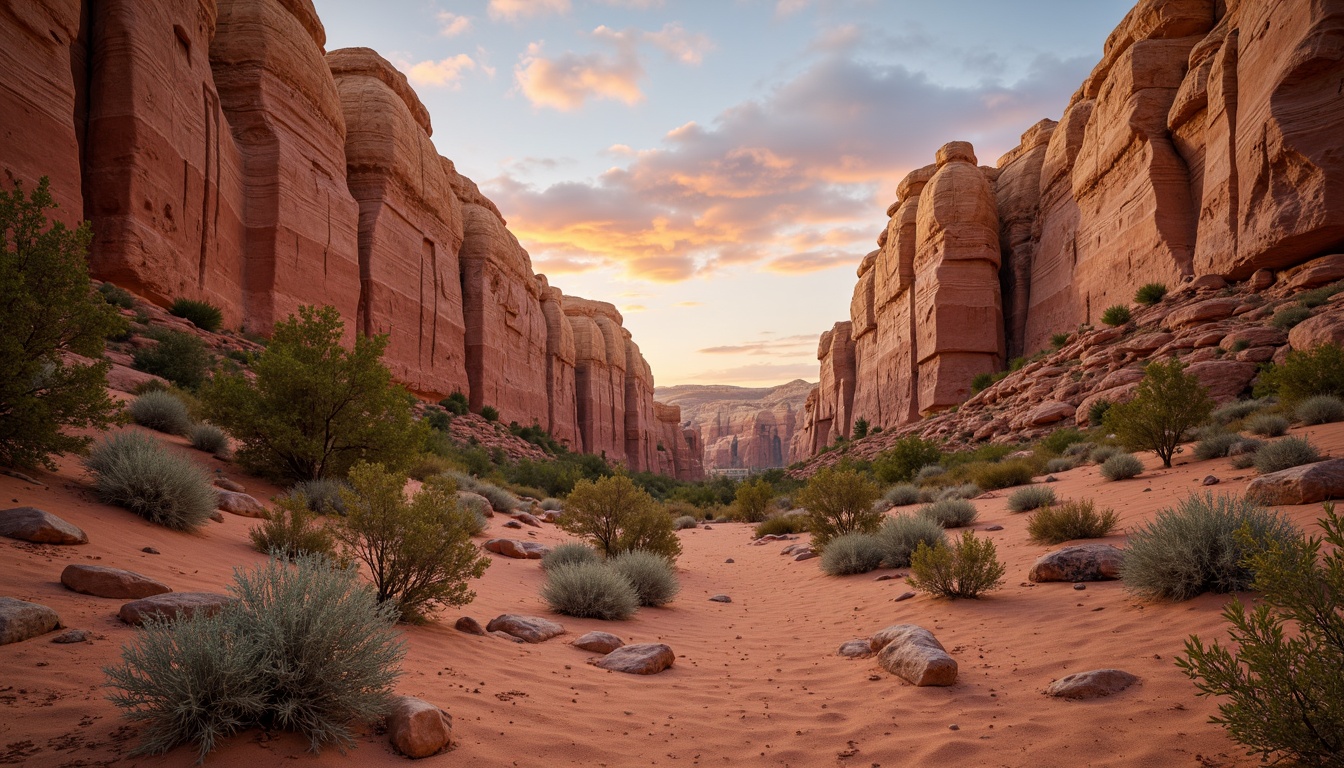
(222, 154)
(1204, 143)
(742, 427)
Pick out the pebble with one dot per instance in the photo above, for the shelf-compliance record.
(729, 560)
(721, 599)
(71, 636)
(954, 727)
(150, 550)
(885, 577)
(1211, 480)
(904, 596)
(993, 528)
(1080, 587)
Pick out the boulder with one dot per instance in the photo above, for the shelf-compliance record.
(530, 629)
(1093, 684)
(1307, 484)
(477, 501)
(599, 642)
(913, 654)
(229, 485)
(171, 605)
(527, 518)
(1083, 562)
(1224, 379)
(1325, 328)
(20, 620)
(855, 649)
(469, 625)
(1049, 412)
(1317, 272)
(639, 659)
(1206, 311)
(520, 550)
(417, 728)
(239, 504)
(39, 527)
(100, 581)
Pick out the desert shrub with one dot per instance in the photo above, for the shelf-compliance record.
(456, 404)
(1267, 425)
(1288, 317)
(1071, 520)
(1236, 411)
(966, 568)
(928, 472)
(652, 576)
(589, 591)
(852, 553)
(981, 382)
(839, 502)
(427, 465)
(960, 491)
(315, 408)
(117, 296)
(1060, 440)
(860, 429)
(209, 438)
(902, 495)
(752, 500)
(1216, 446)
(1031, 497)
(463, 480)
(781, 525)
(1003, 474)
(949, 513)
(1096, 413)
(1101, 453)
(419, 553)
(479, 514)
(178, 357)
(569, 553)
(1280, 673)
(1320, 409)
(322, 496)
(161, 411)
(135, 471)
(1116, 314)
(1121, 466)
(1284, 454)
(1150, 294)
(291, 529)
(1058, 340)
(1167, 404)
(1061, 464)
(489, 413)
(1317, 371)
(900, 462)
(1194, 548)
(615, 516)
(902, 534)
(500, 499)
(201, 314)
(1080, 450)
(551, 504)
(684, 522)
(1318, 296)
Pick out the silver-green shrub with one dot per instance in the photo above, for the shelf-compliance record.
(950, 513)
(852, 553)
(134, 470)
(901, 535)
(162, 411)
(1216, 445)
(1266, 425)
(1060, 464)
(1321, 409)
(589, 591)
(684, 522)
(323, 496)
(1031, 497)
(1121, 466)
(902, 495)
(1284, 454)
(209, 438)
(652, 576)
(569, 553)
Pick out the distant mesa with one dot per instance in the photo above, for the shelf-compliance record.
(742, 427)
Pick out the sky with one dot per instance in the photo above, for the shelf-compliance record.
(717, 169)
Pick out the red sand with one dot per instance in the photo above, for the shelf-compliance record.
(756, 681)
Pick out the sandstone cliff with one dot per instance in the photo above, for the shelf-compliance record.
(1205, 143)
(741, 427)
(222, 154)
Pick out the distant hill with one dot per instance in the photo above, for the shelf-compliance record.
(748, 427)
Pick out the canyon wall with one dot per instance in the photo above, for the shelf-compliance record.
(1204, 143)
(742, 427)
(221, 154)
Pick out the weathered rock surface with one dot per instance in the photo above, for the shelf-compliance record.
(1082, 562)
(173, 604)
(599, 642)
(855, 649)
(1093, 684)
(639, 659)
(21, 620)
(531, 629)
(417, 728)
(39, 527)
(520, 550)
(469, 626)
(100, 581)
(239, 504)
(1307, 484)
(913, 654)
(741, 427)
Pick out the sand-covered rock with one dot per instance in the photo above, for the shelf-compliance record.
(531, 629)
(1093, 684)
(39, 527)
(101, 581)
(913, 654)
(599, 642)
(639, 659)
(21, 620)
(1081, 562)
(417, 728)
(521, 550)
(239, 504)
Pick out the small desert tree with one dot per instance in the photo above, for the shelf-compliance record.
(900, 462)
(753, 499)
(839, 502)
(616, 516)
(47, 308)
(316, 409)
(1167, 404)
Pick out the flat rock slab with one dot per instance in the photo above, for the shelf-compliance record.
(639, 659)
(1082, 562)
(239, 504)
(71, 636)
(229, 485)
(171, 605)
(1307, 484)
(39, 527)
(99, 581)
(521, 550)
(913, 654)
(527, 518)
(417, 728)
(1093, 684)
(20, 620)
(531, 629)
(720, 599)
(599, 642)
(855, 649)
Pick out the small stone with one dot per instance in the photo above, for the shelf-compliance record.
(20, 620)
(417, 728)
(506, 636)
(721, 599)
(469, 625)
(707, 528)
(1080, 587)
(1051, 479)
(171, 605)
(1147, 490)
(599, 642)
(1091, 685)
(903, 596)
(527, 519)
(886, 577)
(100, 581)
(229, 485)
(730, 560)
(71, 636)
(992, 528)
(639, 659)
(529, 628)
(150, 550)
(217, 516)
(39, 527)
(954, 727)
(855, 649)
(519, 550)
(1211, 480)
(807, 555)
(513, 524)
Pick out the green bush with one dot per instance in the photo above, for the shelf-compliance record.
(781, 525)
(652, 576)
(1150, 294)
(1285, 454)
(1167, 404)
(752, 500)
(456, 404)
(1031, 497)
(500, 499)
(929, 472)
(860, 429)
(1058, 340)
(616, 516)
(685, 522)
(315, 408)
(901, 535)
(950, 513)
(1096, 413)
(1194, 548)
(419, 553)
(161, 411)
(1080, 451)
(178, 357)
(961, 491)
(291, 529)
(1317, 371)
(1321, 409)
(135, 471)
(839, 502)
(981, 382)
(1117, 314)
(1101, 453)
(1070, 520)
(589, 591)
(489, 413)
(1267, 425)
(902, 495)
(852, 553)
(900, 462)
(117, 297)
(967, 568)
(569, 553)
(1121, 466)
(47, 406)
(1236, 411)
(1288, 317)
(202, 314)
(209, 438)
(552, 504)
(1059, 441)
(1319, 296)
(1003, 474)
(1061, 464)
(1216, 446)
(1280, 673)
(324, 496)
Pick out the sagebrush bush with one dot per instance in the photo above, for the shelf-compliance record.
(178, 357)
(902, 534)
(684, 522)
(500, 499)
(1288, 317)
(135, 471)
(902, 495)
(962, 491)
(1031, 497)
(209, 438)
(117, 296)
(551, 504)
(1284, 454)
(1096, 413)
(1060, 440)
(967, 568)
(1061, 464)
(928, 472)
(569, 553)
(161, 411)
(839, 502)
(1193, 547)
(1320, 409)
(652, 576)
(1058, 340)
(1101, 453)
(1284, 695)
(291, 529)
(852, 553)
(1216, 446)
(780, 525)
(589, 591)
(1070, 520)
(1236, 411)
(1150, 294)
(1002, 474)
(323, 496)
(950, 513)
(201, 314)
(1116, 314)
(1266, 425)
(1121, 466)
(305, 648)
(900, 462)
(1080, 450)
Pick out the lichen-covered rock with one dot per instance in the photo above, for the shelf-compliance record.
(39, 527)
(1092, 684)
(639, 659)
(531, 629)
(100, 581)
(1082, 562)
(417, 728)
(171, 605)
(21, 620)
(913, 654)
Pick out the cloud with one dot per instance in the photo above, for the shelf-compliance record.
(512, 10)
(745, 375)
(790, 7)
(444, 73)
(642, 5)
(787, 346)
(570, 79)
(680, 45)
(452, 25)
(812, 261)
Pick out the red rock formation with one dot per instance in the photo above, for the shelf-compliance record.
(741, 427)
(599, 374)
(410, 225)
(640, 420)
(562, 410)
(678, 449)
(826, 414)
(281, 103)
(1017, 195)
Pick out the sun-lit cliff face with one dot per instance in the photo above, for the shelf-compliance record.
(1205, 142)
(222, 154)
(742, 427)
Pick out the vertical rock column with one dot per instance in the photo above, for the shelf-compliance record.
(863, 322)
(640, 421)
(1017, 192)
(561, 386)
(835, 396)
(599, 372)
(896, 364)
